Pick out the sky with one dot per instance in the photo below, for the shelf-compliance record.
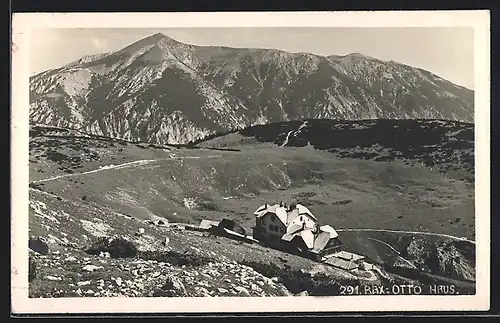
(445, 51)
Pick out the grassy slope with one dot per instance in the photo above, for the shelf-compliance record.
(345, 193)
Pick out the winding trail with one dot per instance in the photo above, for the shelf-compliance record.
(393, 249)
(410, 232)
(121, 166)
(386, 244)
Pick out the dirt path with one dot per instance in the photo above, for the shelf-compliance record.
(410, 232)
(386, 244)
(394, 250)
(109, 167)
(121, 166)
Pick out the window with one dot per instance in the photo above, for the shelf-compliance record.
(275, 228)
(273, 218)
(282, 230)
(301, 218)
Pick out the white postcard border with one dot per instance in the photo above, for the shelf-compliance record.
(24, 22)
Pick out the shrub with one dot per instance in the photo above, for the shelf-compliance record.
(297, 281)
(175, 258)
(38, 245)
(116, 247)
(208, 206)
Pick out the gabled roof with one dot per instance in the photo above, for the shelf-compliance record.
(293, 228)
(303, 210)
(321, 240)
(275, 209)
(260, 209)
(314, 241)
(330, 230)
(282, 214)
(288, 237)
(308, 237)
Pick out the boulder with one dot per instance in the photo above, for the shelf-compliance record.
(172, 287)
(38, 245)
(242, 290)
(140, 232)
(255, 287)
(104, 254)
(202, 291)
(91, 268)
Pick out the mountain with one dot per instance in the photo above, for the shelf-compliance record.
(162, 91)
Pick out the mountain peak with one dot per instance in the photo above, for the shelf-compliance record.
(158, 37)
(173, 92)
(149, 41)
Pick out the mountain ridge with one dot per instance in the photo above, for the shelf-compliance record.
(160, 90)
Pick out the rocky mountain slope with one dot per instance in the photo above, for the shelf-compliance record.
(159, 90)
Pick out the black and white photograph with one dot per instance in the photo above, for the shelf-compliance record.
(221, 162)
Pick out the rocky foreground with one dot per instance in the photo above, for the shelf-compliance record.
(73, 273)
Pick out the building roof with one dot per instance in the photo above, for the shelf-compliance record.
(281, 212)
(329, 229)
(294, 228)
(275, 209)
(231, 225)
(303, 210)
(234, 233)
(315, 241)
(260, 209)
(321, 240)
(207, 224)
(341, 263)
(308, 237)
(348, 256)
